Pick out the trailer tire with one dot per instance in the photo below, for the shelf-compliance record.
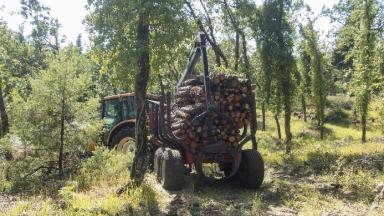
(157, 159)
(251, 171)
(172, 170)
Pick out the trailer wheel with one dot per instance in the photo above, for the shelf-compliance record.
(157, 159)
(172, 170)
(251, 171)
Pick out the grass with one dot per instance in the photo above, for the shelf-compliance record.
(333, 176)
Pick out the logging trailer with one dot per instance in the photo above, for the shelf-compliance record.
(171, 155)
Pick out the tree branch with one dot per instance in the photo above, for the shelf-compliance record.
(216, 48)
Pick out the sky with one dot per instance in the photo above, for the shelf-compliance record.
(71, 14)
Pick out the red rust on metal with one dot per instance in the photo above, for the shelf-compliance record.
(130, 94)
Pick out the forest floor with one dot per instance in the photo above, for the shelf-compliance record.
(334, 176)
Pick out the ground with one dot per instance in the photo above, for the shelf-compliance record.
(334, 176)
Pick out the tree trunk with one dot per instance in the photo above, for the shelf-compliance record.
(288, 134)
(304, 107)
(354, 116)
(278, 126)
(211, 32)
(263, 116)
(140, 161)
(363, 128)
(61, 148)
(237, 51)
(322, 130)
(3, 114)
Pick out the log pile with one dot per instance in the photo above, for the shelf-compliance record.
(230, 96)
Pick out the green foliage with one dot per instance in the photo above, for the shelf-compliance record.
(359, 184)
(322, 161)
(115, 42)
(382, 115)
(104, 165)
(6, 154)
(363, 55)
(317, 72)
(16, 62)
(61, 103)
(275, 44)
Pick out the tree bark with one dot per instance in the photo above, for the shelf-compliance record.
(3, 114)
(278, 127)
(245, 57)
(237, 51)
(354, 114)
(62, 125)
(304, 107)
(263, 116)
(288, 134)
(363, 128)
(140, 161)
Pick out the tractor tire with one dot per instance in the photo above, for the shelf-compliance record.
(124, 140)
(157, 159)
(172, 170)
(251, 171)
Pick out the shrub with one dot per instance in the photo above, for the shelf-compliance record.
(359, 183)
(103, 165)
(322, 161)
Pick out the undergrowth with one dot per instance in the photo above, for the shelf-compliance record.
(336, 176)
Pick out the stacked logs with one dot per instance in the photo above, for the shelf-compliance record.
(230, 97)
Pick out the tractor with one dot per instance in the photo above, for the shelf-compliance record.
(171, 156)
(118, 113)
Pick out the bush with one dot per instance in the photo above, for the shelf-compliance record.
(103, 165)
(339, 102)
(6, 157)
(337, 115)
(321, 161)
(359, 183)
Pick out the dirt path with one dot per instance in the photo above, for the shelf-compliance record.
(273, 199)
(6, 201)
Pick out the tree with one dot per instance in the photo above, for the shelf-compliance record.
(363, 56)
(45, 29)
(141, 37)
(317, 71)
(140, 161)
(114, 38)
(14, 67)
(79, 42)
(3, 112)
(239, 30)
(305, 78)
(219, 54)
(276, 47)
(59, 117)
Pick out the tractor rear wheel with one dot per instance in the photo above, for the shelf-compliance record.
(251, 171)
(172, 170)
(124, 140)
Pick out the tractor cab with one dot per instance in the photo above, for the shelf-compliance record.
(118, 108)
(119, 113)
